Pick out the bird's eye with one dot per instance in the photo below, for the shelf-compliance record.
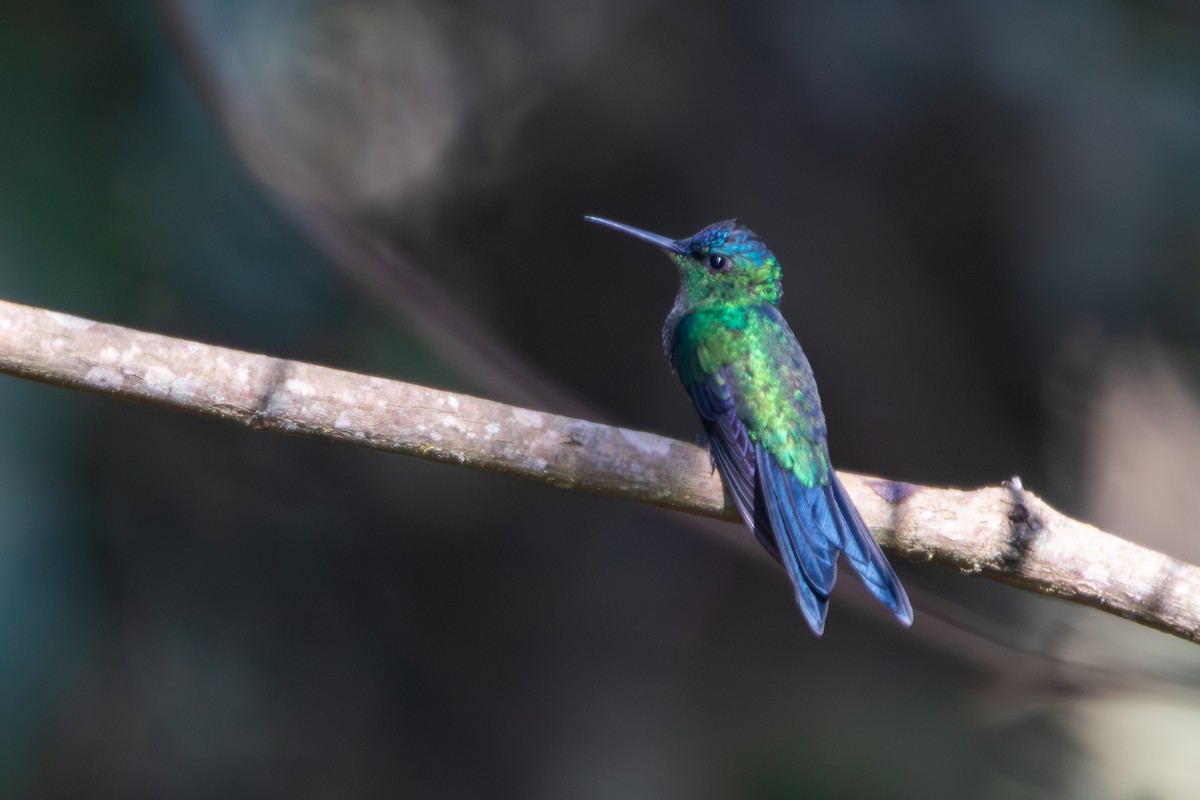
(716, 262)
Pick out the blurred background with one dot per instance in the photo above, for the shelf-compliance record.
(986, 215)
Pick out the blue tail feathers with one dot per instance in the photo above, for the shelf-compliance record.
(809, 527)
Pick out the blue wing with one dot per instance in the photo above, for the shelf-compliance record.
(733, 453)
(799, 522)
(865, 555)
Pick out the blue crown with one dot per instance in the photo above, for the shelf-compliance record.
(728, 237)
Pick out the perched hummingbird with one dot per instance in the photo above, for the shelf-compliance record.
(756, 396)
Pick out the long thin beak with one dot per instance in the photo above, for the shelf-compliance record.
(646, 236)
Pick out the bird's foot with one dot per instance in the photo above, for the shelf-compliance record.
(702, 441)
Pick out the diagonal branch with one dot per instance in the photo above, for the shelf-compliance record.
(1002, 532)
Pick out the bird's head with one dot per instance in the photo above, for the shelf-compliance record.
(723, 264)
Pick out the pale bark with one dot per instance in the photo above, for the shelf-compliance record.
(1001, 532)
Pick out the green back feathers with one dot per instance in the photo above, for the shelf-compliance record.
(749, 353)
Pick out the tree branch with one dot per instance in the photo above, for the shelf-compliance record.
(1004, 533)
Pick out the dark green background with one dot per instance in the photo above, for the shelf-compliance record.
(981, 208)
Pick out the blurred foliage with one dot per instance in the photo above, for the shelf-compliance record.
(986, 215)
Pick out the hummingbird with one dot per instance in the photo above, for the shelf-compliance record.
(754, 390)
